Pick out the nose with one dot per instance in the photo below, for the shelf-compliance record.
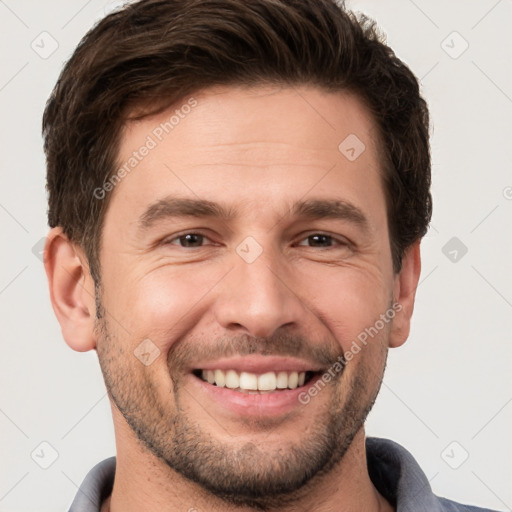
(258, 298)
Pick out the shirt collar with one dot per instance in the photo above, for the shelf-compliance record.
(398, 477)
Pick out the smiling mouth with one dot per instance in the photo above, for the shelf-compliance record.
(252, 383)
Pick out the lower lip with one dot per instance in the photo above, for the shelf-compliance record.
(274, 403)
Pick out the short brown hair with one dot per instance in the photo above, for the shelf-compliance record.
(156, 52)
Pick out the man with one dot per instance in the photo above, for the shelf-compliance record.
(237, 194)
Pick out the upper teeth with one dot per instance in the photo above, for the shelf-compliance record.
(250, 381)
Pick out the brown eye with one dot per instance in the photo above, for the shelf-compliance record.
(321, 240)
(190, 240)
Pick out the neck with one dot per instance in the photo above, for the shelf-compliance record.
(143, 482)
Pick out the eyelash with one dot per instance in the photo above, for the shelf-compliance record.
(341, 243)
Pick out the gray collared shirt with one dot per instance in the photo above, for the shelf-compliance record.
(393, 471)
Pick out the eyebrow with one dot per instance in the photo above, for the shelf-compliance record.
(314, 209)
(330, 209)
(176, 207)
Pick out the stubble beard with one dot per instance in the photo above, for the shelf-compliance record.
(243, 473)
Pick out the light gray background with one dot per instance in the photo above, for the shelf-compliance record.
(447, 393)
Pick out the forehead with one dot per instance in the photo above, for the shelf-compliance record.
(237, 114)
(253, 146)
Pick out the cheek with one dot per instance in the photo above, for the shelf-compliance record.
(349, 301)
(163, 304)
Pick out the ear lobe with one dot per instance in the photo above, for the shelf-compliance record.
(406, 282)
(71, 290)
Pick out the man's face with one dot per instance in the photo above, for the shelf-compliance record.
(282, 283)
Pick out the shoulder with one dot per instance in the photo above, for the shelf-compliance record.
(452, 506)
(396, 474)
(95, 488)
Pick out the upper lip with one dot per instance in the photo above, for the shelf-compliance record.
(259, 364)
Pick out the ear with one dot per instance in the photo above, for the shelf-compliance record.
(406, 282)
(71, 290)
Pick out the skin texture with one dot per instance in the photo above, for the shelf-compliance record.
(304, 298)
